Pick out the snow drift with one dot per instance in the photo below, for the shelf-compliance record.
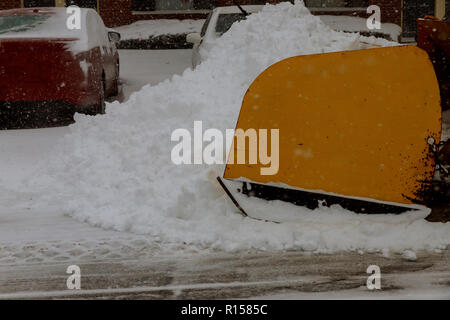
(115, 171)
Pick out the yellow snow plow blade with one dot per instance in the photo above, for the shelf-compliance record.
(353, 123)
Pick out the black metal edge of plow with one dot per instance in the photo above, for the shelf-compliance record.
(313, 200)
(233, 199)
(236, 203)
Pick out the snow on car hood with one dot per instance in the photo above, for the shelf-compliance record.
(115, 170)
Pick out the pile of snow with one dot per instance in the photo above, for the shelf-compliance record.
(115, 171)
(151, 28)
(357, 24)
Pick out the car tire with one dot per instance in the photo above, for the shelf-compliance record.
(101, 107)
(115, 91)
(116, 81)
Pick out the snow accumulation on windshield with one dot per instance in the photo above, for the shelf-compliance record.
(21, 23)
(114, 171)
(45, 24)
(49, 23)
(225, 21)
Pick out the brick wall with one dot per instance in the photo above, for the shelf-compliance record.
(9, 4)
(391, 10)
(116, 12)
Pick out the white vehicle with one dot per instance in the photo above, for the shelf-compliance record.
(217, 23)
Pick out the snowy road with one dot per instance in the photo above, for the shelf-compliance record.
(284, 275)
(36, 246)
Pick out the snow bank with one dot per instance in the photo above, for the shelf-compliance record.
(115, 171)
(150, 28)
(357, 24)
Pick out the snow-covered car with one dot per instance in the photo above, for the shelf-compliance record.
(217, 23)
(46, 65)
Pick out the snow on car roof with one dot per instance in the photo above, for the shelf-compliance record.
(47, 23)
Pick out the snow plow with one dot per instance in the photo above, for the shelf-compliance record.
(361, 129)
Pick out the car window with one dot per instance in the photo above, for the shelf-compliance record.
(225, 21)
(205, 25)
(21, 22)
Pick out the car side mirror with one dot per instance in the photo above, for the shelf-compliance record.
(194, 38)
(113, 36)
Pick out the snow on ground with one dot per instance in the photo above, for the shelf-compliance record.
(426, 284)
(357, 24)
(115, 171)
(150, 28)
(429, 293)
(141, 67)
(21, 152)
(47, 235)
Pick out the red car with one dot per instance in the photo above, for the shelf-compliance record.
(48, 67)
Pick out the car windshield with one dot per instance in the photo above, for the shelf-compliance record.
(48, 23)
(45, 24)
(21, 22)
(225, 21)
(205, 25)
